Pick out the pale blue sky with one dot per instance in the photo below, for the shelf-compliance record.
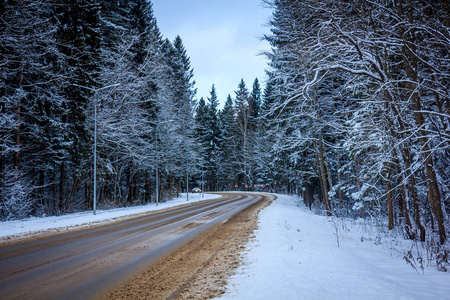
(222, 38)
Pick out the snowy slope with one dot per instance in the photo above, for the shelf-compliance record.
(295, 256)
(84, 219)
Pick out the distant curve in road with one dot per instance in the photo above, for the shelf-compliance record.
(83, 264)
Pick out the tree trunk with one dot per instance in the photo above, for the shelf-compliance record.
(415, 197)
(390, 205)
(433, 189)
(435, 198)
(411, 69)
(114, 192)
(41, 191)
(358, 185)
(147, 191)
(330, 182)
(55, 199)
(341, 204)
(323, 179)
(101, 198)
(405, 212)
(407, 158)
(18, 109)
(62, 175)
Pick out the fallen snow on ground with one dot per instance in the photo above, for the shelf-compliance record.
(84, 219)
(295, 255)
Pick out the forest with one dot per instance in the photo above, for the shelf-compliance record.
(354, 115)
(360, 105)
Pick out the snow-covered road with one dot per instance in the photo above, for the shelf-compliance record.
(295, 256)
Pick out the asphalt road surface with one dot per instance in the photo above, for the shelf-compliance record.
(83, 264)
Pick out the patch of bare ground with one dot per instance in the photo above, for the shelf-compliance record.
(200, 269)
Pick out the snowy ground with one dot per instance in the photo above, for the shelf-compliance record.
(295, 255)
(85, 219)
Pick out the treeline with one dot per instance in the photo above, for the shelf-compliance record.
(58, 59)
(61, 60)
(234, 146)
(361, 108)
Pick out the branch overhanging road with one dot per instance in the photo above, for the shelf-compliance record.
(83, 264)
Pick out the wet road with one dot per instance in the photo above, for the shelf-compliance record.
(82, 264)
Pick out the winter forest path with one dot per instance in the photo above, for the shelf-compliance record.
(83, 264)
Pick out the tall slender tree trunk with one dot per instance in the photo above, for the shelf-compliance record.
(435, 197)
(414, 195)
(75, 187)
(62, 175)
(358, 184)
(407, 158)
(433, 188)
(87, 194)
(405, 213)
(129, 197)
(355, 166)
(330, 182)
(412, 72)
(390, 205)
(323, 178)
(147, 191)
(18, 111)
(41, 191)
(341, 204)
(55, 198)
(116, 173)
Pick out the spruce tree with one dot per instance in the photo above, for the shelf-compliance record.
(213, 136)
(201, 122)
(243, 122)
(143, 23)
(27, 85)
(79, 40)
(255, 101)
(180, 93)
(184, 88)
(229, 135)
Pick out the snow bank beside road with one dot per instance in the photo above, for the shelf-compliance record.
(295, 256)
(87, 218)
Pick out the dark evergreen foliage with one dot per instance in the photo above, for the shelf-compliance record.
(53, 57)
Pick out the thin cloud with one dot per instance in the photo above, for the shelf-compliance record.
(222, 40)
